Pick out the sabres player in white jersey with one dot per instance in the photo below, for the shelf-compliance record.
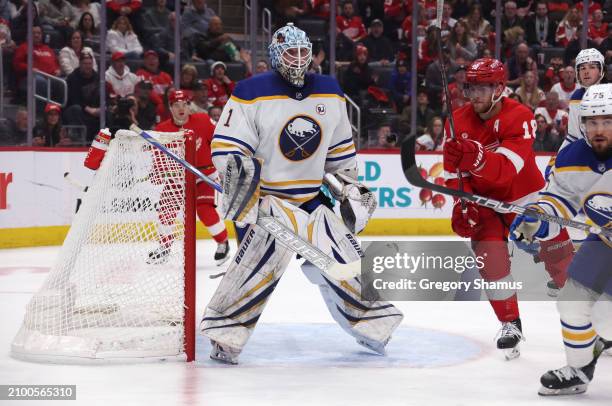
(292, 128)
(580, 179)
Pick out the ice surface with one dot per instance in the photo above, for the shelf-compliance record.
(443, 354)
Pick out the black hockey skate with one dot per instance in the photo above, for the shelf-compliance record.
(159, 255)
(222, 253)
(567, 380)
(223, 353)
(509, 337)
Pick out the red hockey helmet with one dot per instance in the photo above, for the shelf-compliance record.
(486, 71)
(177, 96)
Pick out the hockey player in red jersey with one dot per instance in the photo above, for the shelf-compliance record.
(200, 124)
(493, 155)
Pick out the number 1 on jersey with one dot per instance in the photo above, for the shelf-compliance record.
(229, 116)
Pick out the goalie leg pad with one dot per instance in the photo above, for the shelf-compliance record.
(240, 298)
(369, 322)
(241, 189)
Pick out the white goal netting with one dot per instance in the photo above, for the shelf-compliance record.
(105, 298)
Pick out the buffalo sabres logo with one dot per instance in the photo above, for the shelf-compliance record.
(598, 207)
(300, 138)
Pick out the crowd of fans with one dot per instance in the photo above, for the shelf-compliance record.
(540, 40)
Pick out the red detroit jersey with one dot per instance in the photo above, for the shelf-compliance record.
(510, 171)
(204, 130)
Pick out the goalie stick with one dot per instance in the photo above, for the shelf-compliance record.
(413, 175)
(283, 235)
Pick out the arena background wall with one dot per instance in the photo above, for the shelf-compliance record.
(37, 204)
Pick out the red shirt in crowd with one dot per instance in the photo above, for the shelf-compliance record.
(352, 27)
(44, 60)
(117, 5)
(598, 33)
(160, 80)
(219, 92)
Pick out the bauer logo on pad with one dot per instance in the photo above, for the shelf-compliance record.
(300, 138)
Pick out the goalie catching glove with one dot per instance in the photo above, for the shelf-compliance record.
(240, 201)
(357, 203)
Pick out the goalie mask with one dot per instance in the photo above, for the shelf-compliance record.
(290, 54)
(178, 102)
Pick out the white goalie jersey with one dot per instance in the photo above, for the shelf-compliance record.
(299, 133)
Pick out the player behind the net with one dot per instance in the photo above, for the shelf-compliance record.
(580, 179)
(493, 151)
(290, 129)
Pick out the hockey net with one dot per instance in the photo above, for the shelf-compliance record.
(103, 300)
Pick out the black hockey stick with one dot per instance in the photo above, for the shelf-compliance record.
(413, 175)
(447, 95)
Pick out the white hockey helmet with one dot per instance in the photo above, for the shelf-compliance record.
(597, 101)
(590, 55)
(291, 65)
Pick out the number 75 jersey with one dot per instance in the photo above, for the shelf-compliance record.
(299, 133)
(509, 172)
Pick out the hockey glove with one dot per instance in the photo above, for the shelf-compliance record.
(357, 203)
(529, 229)
(465, 155)
(464, 223)
(241, 182)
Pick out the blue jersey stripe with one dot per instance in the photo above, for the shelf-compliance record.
(221, 153)
(346, 141)
(293, 191)
(236, 140)
(342, 157)
(585, 327)
(562, 200)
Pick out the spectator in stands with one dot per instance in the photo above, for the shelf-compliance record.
(598, 29)
(125, 8)
(58, 15)
(7, 47)
(318, 9)
(569, 28)
(151, 72)
(285, 11)
(379, 46)
(553, 73)
(118, 76)
(358, 76)
(385, 138)
(5, 10)
(478, 26)
(43, 59)
(156, 17)
(593, 7)
(165, 43)
(146, 110)
(461, 43)
(433, 138)
(88, 27)
(545, 139)
(406, 27)
(220, 87)
(196, 18)
(456, 89)
(349, 24)
(50, 131)
(424, 114)
(215, 45)
(433, 76)
(540, 28)
(86, 6)
(189, 77)
(530, 93)
(261, 67)
(555, 116)
(19, 22)
(214, 112)
(605, 47)
(400, 84)
(70, 55)
(428, 49)
(83, 107)
(163, 108)
(448, 22)
(510, 18)
(520, 63)
(199, 99)
(17, 133)
(567, 86)
(370, 10)
(122, 38)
